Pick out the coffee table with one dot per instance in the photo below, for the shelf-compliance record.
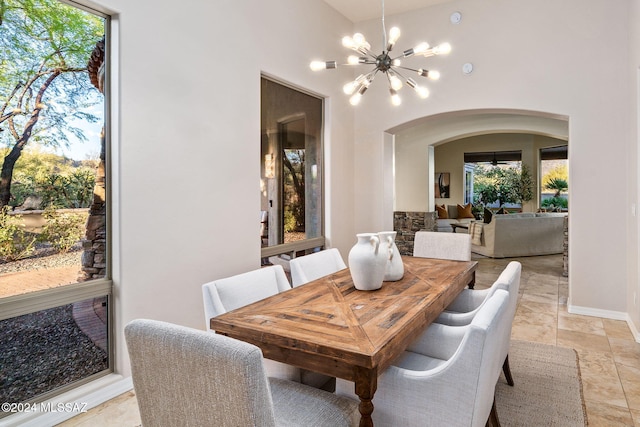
(457, 225)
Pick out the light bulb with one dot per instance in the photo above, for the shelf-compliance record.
(353, 60)
(422, 91)
(432, 74)
(355, 99)
(317, 65)
(442, 49)
(358, 39)
(396, 62)
(348, 42)
(394, 34)
(350, 87)
(421, 48)
(395, 82)
(395, 98)
(322, 65)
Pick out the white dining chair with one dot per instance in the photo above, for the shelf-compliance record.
(306, 268)
(227, 294)
(452, 246)
(446, 379)
(186, 377)
(469, 302)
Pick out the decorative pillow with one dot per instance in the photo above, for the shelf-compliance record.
(487, 216)
(465, 211)
(442, 212)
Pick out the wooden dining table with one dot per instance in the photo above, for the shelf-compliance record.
(328, 326)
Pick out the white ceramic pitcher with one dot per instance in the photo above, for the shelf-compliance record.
(367, 262)
(395, 268)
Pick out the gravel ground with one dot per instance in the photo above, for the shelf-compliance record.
(42, 351)
(43, 258)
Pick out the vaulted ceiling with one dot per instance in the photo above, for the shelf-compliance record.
(362, 10)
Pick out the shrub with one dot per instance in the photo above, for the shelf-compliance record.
(62, 229)
(15, 242)
(555, 202)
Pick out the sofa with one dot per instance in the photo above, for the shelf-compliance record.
(516, 235)
(444, 224)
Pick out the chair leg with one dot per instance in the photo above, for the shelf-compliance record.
(493, 420)
(507, 371)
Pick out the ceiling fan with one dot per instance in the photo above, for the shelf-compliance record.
(495, 162)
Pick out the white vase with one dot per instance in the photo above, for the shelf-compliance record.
(367, 262)
(395, 268)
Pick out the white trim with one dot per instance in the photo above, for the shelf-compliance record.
(607, 314)
(595, 312)
(85, 397)
(634, 330)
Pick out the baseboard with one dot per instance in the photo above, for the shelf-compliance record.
(634, 330)
(71, 403)
(607, 314)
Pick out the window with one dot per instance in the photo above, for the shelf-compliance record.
(291, 170)
(554, 172)
(55, 292)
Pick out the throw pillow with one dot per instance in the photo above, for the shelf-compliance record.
(465, 211)
(442, 212)
(487, 216)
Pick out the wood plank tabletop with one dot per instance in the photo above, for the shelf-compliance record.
(330, 327)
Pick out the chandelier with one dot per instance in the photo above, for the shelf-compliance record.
(384, 63)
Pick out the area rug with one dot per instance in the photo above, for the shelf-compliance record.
(547, 390)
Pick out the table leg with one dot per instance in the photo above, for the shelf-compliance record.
(472, 283)
(366, 383)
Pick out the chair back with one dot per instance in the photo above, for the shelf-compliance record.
(493, 322)
(313, 266)
(168, 366)
(452, 246)
(509, 280)
(237, 291)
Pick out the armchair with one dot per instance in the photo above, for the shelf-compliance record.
(466, 306)
(187, 377)
(313, 266)
(447, 378)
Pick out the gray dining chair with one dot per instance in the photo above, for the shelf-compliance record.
(469, 302)
(446, 379)
(186, 377)
(433, 244)
(222, 295)
(306, 268)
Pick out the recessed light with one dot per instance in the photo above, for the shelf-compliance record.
(456, 17)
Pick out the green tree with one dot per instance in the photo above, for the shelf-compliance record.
(44, 84)
(558, 185)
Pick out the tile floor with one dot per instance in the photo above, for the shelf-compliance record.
(609, 356)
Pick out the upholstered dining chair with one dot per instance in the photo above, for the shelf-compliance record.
(313, 266)
(433, 244)
(466, 306)
(448, 378)
(237, 291)
(186, 377)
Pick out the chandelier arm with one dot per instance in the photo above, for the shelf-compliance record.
(395, 71)
(409, 69)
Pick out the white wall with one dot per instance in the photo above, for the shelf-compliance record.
(189, 141)
(542, 56)
(633, 162)
(188, 198)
